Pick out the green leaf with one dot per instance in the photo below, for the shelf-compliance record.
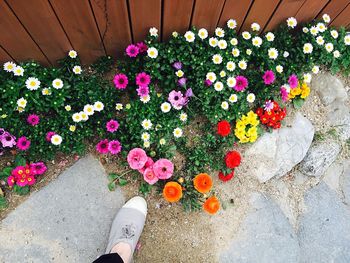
(111, 186)
(298, 103)
(112, 176)
(20, 161)
(21, 190)
(7, 171)
(3, 202)
(122, 182)
(145, 188)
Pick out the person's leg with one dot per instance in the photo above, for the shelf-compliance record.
(125, 232)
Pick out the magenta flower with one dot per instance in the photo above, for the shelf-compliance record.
(132, 51)
(143, 79)
(177, 65)
(142, 91)
(163, 169)
(49, 135)
(23, 143)
(137, 158)
(112, 126)
(284, 94)
(102, 146)
(120, 81)
(293, 81)
(208, 83)
(268, 77)
(11, 180)
(241, 83)
(148, 164)
(142, 47)
(149, 176)
(7, 140)
(33, 119)
(114, 147)
(38, 168)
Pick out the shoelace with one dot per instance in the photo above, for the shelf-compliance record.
(128, 231)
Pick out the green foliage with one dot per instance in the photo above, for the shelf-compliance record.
(3, 202)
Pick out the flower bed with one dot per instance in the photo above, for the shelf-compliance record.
(231, 87)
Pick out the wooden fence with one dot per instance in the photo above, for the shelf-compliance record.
(45, 30)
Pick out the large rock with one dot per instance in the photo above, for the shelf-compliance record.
(276, 153)
(67, 221)
(265, 236)
(324, 228)
(319, 157)
(329, 88)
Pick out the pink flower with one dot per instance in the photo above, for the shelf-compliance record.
(23, 143)
(241, 83)
(112, 126)
(293, 81)
(38, 168)
(11, 180)
(142, 47)
(120, 81)
(102, 146)
(148, 164)
(163, 169)
(132, 51)
(137, 158)
(150, 176)
(142, 91)
(284, 94)
(114, 147)
(268, 77)
(31, 180)
(143, 79)
(7, 140)
(208, 83)
(33, 119)
(49, 135)
(18, 171)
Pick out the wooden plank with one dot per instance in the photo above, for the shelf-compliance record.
(260, 12)
(79, 23)
(42, 24)
(176, 16)
(15, 39)
(343, 19)
(4, 57)
(144, 15)
(309, 10)
(113, 22)
(236, 10)
(334, 8)
(285, 9)
(206, 14)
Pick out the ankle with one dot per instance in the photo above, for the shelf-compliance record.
(124, 251)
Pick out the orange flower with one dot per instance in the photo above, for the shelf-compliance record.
(203, 183)
(172, 191)
(211, 205)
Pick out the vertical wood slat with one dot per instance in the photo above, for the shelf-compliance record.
(15, 39)
(4, 57)
(144, 15)
(176, 16)
(40, 21)
(334, 8)
(343, 19)
(236, 10)
(260, 12)
(79, 23)
(286, 9)
(310, 9)
(113, 22)
(206, 14)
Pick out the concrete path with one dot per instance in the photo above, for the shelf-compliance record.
(66, 221)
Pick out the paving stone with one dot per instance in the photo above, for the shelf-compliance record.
(66, 221)
(345, 185)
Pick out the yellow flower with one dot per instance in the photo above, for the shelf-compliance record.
(72, 128)
(250, 122)
(128, 106)
(295, 92)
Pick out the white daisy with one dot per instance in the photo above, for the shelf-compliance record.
(145, 136)
(242, 64)
(118, 106)
(72, 128)
(321, 27)
(246, 35)
(22, 103)
(273, 53)
(292, 22)
(98, 106)
(234, 41)
(336, 54)
(89, 109)
(224, 105)
(251, 97)
(219, 32)
(175, 34)
(72, 54)
(314, 30)
(77, 70)
(162, 141)
(307, 77)
(20, 109)
(32, 83)
(76, 117)
(46, 91)
(255, 27)
(68, 108)
(334, 34)
(320, 40)
(179, 73)
(153, 32)
(190, 36)
(308, 48)
(347, 40)
(231, 82)
(279, 68)
(183, 117)
(146, 124)
(270, 37)
(57, 83)
(326, 18)
(165, 107)
(329, 47)
(145, 99)
(56, 139)
(18, 71)
(177, 132)
(222, 44)
(305, 30)
(83, 116)
(232, 24)
(235, 52)
(203, 33)
(9, 66)
(231, 66)
(257, 41)
(218, 86)
(233, 98)
(146, 144)
(213, 41)
(285, 54)
(315, 69)
(152, 52)
(217, 59)
(248, 52)
(211, 76)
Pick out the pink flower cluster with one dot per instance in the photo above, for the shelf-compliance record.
(6, 140)
(105, 146)
(26, 175)
(178, 100)
(152, 171)
(133, 50)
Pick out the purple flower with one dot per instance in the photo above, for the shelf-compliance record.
(268, 77)
(182, 82)
(7, 140)
(112, 126)
(208, 83)
(177, 65)
(114, 147)
(142, 91)
(293, 81)
(268, 105)
(177, 99)
(189, 93)
(132, 51)
(33, 119)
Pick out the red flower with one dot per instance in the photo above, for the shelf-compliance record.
(226, 177)
(232, 159)
(224, 128)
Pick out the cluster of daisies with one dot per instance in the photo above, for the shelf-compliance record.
(87, 112)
